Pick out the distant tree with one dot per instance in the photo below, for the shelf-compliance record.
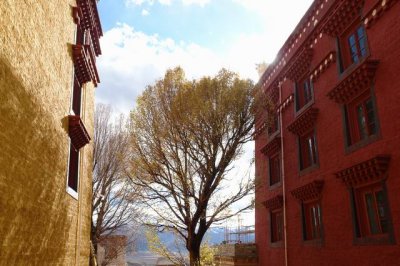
(184, 137)
(156, 246)
(114, 201)
(207, 253)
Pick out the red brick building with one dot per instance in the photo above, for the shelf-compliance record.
(329, 165)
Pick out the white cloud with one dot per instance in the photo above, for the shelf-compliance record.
(132, 59)
(278, 20)
(145, 12)
(198, 2)
(165, 2)
(255, 5)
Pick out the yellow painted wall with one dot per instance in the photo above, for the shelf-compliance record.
(39, 222)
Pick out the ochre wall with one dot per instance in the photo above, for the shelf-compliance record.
(39, 222)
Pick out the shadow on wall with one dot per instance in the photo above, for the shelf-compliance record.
(34, 225)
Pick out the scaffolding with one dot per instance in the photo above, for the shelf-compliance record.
(239, 234)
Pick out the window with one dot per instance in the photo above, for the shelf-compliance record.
(76, 97)
(276, 226)
(304, 93)
(274, 170)
(308, 150)
(73, 167)
(354, 45)
(274, 125)
(312, 221)
(361, 119)
(371, 211)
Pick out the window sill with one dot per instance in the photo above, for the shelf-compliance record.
(318, 242)
(374, 240)
(72, 193)
(272, 135)
(361, 144)
(309, 169)
(350, 68)
(304, 108)
(274, 186)
(277, 244)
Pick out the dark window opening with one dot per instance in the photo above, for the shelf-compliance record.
(361, 119)
(312, 221)
(354, 45)
(308, 150)
(372, 216)
(276, 226)
(274, 170)
(76, 97)
(304, 93)
(73, 168)
(274, 125)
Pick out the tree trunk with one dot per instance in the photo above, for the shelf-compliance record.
(193, 246)
(195, 256)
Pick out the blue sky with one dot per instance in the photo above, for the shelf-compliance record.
(213, 25)
(143, 38)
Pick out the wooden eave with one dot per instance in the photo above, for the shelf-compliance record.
(304, 122)
(358, 80)
(376, 12)
(77, 132)
(367, 171)
(285, 103)
(344, 13)
(85, 64)
(90, 20)
(310, 191)
(301, 65)
(272, 146)
(329, 59)
(274, 203)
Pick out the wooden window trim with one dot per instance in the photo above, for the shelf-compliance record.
(303, 151)
(362, 234)
(301, 103)
(351, 131)
(276, 239)
(346, 62)
(308, 223)
(273, 162)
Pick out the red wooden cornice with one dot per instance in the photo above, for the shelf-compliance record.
(85, 64)
(344, 13)
(356, 81)
(77, 132)
(285, 103)
(273, 94)
(259, 129)
(274, 203)
(301, 64)
(371, 170)
(310, 191)
(90, 20)
(304, 122)
(377, 11)
(272, 146)
(323, 65)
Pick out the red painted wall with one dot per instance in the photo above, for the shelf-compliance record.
(337, 247)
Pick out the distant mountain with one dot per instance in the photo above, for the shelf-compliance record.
(214, 236)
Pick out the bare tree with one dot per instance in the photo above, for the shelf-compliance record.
(184, 137)
(114, 201)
